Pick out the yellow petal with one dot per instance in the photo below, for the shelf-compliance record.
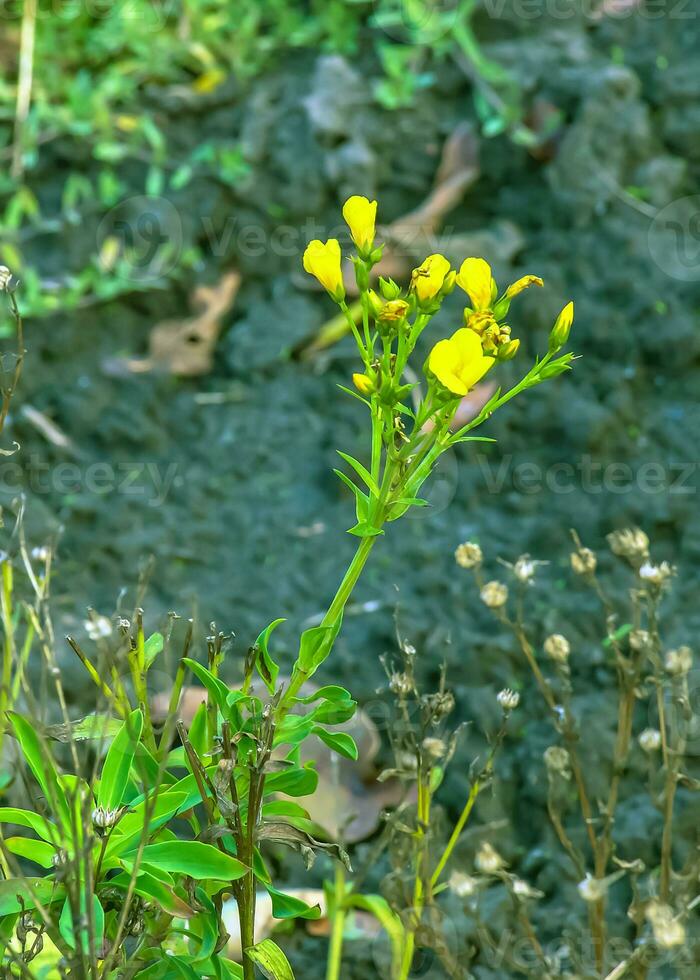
(458, 363)
(523, 283)
(428, 278)
(475, 279)
(361, 214)
(322, 260)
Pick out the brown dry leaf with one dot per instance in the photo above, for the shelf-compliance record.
(186, 347)
(348, 802)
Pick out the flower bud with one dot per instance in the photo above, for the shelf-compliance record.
(650, 740)
(449, 283)
(679, 662)
(361, 275)
(389, 289)
(488, 860)
(364, 384)
(562, 327)
(507, 351)
(508, 700)
(5, 277)
(555, 368)
(393, 311)
(584, 561)
(557, 648)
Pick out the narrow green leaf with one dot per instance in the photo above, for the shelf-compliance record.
(362, 472)
(39, 761)
(117, 765)
(364, 530)
(152, 647)
(331, 692)
(315, 645)
(267, 668)
(153, 890)
(293, 782)
(387, 918)
(46, 890)
(216, 688)
(271, 960)
(361, 499)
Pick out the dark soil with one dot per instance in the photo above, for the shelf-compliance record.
(252, 524)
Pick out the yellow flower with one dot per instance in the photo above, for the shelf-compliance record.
(523, 283)
(322, 259)
(363, 383)
(428, 278)
(458, 363)
(475, 279)
(562, 327)
(479, 321)
(360, 215)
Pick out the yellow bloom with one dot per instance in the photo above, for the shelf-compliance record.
(322, 259)
(428, 278)
(458, 363)
(479, 321)
(363, 383)
(360, 215)
(523, 283)
(393, 310)
(562, 327)
(475, 279)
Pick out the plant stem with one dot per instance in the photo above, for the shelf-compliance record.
(335, 949)
(421, 876)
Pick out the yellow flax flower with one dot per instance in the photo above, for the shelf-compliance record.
(322, 260)
(475, 278)
(458, 363)
(363, 383)
(361, 215)
(427, 280)
(523, 283)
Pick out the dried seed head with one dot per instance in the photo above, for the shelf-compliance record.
(557, 648)
(488, 860)
(468, 555)
(98, 627)
(557, 761)
(400, 684)
(434, 747)
(668, 931)
(650, 739)
(5, 277)
(680, 661)
(494, 595)
(632, 544)
(508, 700)
(592, 889)
(462, 885)
(524, 568)
(640, 641)
(440, 705)
(584, 561)
(656, 575)
(523, 891)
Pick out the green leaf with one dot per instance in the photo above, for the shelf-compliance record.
(271, 960)
(619, 634)
(364, 530)
(387, 918)
(331, 692)
(216, 688)
(293, 782)
(152, 647)
(68, 930)
(361, 499)
(204, 927)
(153, 890)
(47, 892)
(315, 645)
(334, 712)
(117, 765)
(26, 818)
(41, 764)
(293, 730)
(291, 907)
(267, 668)
(198, 733)
(340, 742)
(362, 472)
(195, 859)
(37, 851)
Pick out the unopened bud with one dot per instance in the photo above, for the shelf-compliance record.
(562, 328)
(364, 384)
(494, 595)
(557, 648)
(468, 555)
(389, 289)
(650, 740)
(679, 662)
(507, 351)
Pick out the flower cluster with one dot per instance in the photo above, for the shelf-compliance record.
(456, 363)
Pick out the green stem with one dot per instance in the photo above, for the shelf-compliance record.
(335, 950)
